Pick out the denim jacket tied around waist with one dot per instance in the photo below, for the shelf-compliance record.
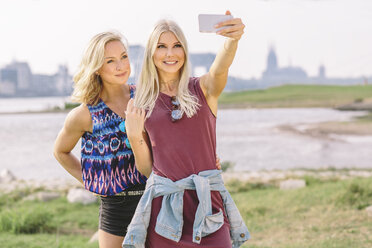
(169, 221)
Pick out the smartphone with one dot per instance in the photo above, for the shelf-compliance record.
(207, 22)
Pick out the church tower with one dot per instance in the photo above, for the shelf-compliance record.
(272, 62)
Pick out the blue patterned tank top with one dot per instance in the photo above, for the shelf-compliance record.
(107, 163)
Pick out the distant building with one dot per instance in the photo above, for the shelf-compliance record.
(274, 74)
(321, 72)
(63, 80)
(8, 82)
(16, 79)
(136, 53)
(24, 75)
(201, 62)
(44, 85)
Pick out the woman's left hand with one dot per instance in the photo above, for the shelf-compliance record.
(134, 122)
(233, 28)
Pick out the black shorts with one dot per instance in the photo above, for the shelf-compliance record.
(116, 212)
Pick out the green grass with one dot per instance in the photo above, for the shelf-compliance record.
(56, 223)
(324, 214)
(45, 241)
(298, 96)
(24, 220)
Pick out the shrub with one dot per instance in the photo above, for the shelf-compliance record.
(226, 165)
(311, 180)
(24, 221)
(357, 196)
(236, 186)
(70, 105)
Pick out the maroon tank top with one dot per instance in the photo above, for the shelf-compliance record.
(180, 149)
(186, 146)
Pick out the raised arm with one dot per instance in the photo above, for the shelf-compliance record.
(138, 139)
(215, 80)
(77, 122)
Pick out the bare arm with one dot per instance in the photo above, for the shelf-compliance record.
(77, 122)
(215, 80)
(139, 141)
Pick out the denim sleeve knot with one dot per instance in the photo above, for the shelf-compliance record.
(169, 222)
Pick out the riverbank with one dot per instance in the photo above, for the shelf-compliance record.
(301, 96)
(359, 126)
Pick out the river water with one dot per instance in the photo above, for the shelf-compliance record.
(248, 138)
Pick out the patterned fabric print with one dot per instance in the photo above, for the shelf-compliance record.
(107, 164)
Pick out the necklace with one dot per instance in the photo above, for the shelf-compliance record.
(165, 105)
(173, 82)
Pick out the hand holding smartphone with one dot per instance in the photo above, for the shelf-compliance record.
(207, 22)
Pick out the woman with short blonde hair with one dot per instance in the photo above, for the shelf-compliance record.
(88, 84)
(107, 166)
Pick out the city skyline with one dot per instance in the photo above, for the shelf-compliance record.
(306, 33)
(17, 78)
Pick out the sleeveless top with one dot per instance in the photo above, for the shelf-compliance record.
(186, 146)
(107, 164)
(180, 149)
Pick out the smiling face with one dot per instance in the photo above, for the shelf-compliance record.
(169, 56)
(116, 66)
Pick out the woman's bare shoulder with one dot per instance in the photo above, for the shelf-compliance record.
(79, 118)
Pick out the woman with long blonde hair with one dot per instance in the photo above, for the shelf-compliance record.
(185, 203)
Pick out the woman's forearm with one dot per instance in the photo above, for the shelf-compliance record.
(70, 163)
(224, 58)
(142, 154)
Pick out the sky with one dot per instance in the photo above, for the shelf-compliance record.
(304, 33)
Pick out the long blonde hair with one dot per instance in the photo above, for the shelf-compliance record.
(88, 84)
(148, 85)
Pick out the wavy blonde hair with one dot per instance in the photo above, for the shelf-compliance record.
(87, 84)
(148, 85)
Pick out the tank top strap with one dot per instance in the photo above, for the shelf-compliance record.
(95, 108)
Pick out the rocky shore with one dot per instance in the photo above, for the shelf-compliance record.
(278, 176)
(365, 105)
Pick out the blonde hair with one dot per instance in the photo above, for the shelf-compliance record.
(148, 85)
(88, 84)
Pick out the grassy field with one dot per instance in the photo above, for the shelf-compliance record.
(35, 224)
(322, 215)
(298, 96)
